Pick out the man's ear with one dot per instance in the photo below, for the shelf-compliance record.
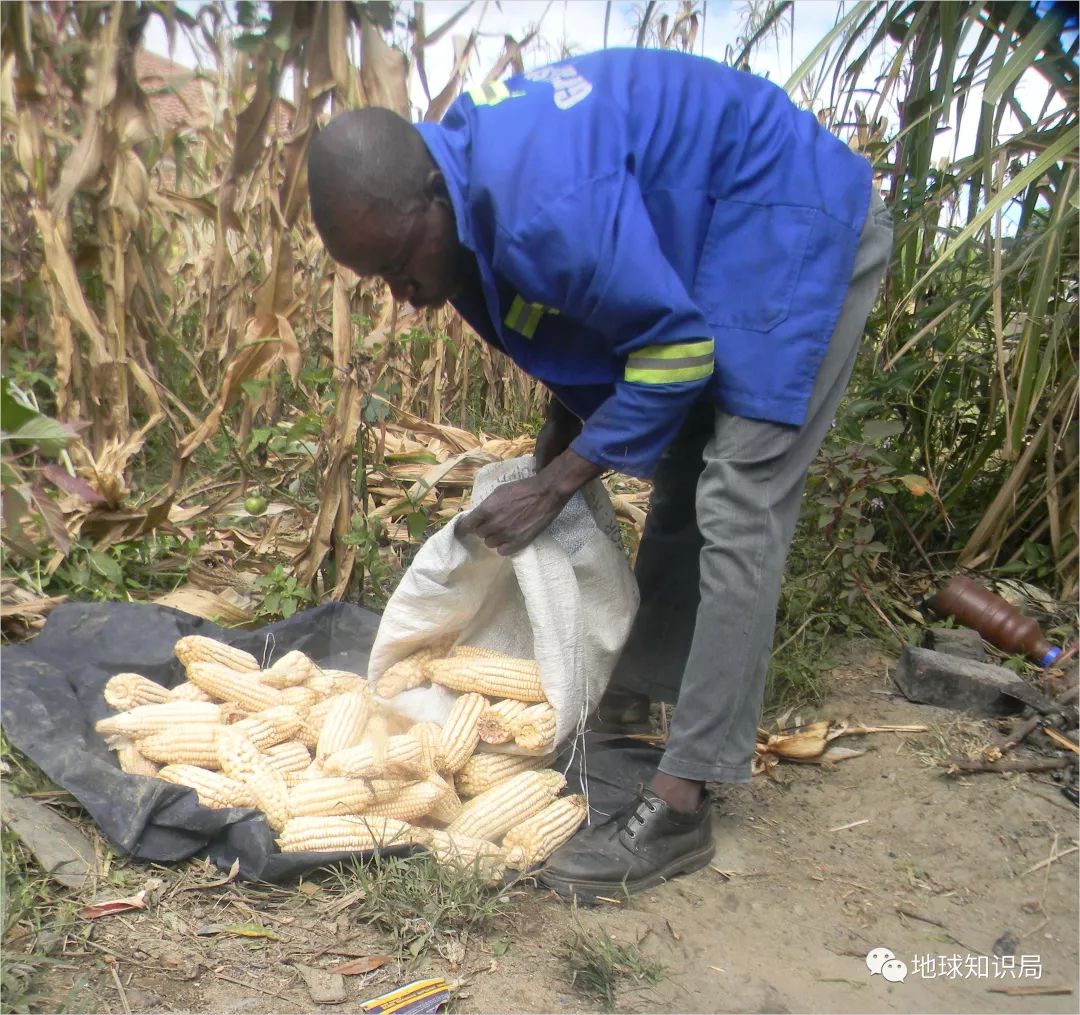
(435, 188)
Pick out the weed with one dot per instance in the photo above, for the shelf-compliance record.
(597, 964)
(955, 738)
(419, 902)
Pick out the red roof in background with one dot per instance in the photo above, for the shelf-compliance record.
(179, 99)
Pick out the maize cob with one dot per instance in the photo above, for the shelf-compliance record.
(143, 720)
(494, 724)
(301, 698)
(534, 840)
(291, 670)
(344, 725)
(212, 788)
(483, 770)
(288, 756)
(133, 761)
(126, 690)
(400, 756)
(496, 676)
(347, 834)
(313, 772)
(270, 726)
(229, 685)
(413, 801)
(330, 796)
(460, 850)
(534, 729)
(405, 674)
(312, 723)
(187, 691)
(387, 789)
(240, 759)
(448, 806)
(377, 731)
(460, 735)
(345, 681)
(183, 745)
(508, 803)
(324, 686)
(196, 649)
(430, 736)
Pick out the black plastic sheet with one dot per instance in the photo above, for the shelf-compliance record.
(52, 695)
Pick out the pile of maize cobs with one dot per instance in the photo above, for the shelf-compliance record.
(334, 768)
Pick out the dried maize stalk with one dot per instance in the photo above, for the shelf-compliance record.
(413, 801)
(484, 770)
(347, 834)
(133, 761)
(330, 796)
(196, 649)
(534, 729)
(494, 723)
(496, 810)
(143, 720)
(288, 756)
(183, 745)
(212, 788)
(229, 685)
(126, 690)
(240, 759)
(401, 756)
(459, 734)
(344, 725)
(535, 839)
(495, 676)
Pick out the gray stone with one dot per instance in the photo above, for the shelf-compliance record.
(935, 678)
(962, 642)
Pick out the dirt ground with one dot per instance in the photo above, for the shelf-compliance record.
(930, 868)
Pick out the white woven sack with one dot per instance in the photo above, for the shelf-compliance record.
(566, 600)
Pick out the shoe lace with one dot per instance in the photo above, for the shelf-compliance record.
(633, 810)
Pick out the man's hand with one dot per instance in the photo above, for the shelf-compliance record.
(515, 514)
(558, 432)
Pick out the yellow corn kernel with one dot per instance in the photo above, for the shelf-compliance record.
(493, 675)
(496, 810)
(401, 756)
(344, 725)
(535, 839)
(347, 834)
(183, 745)
(212, 788)
(484, 770)
(330, 796)
(460, 735)
(126, 690)
(288, 756)
(413, 801)
(133, 761)
(196, 649)
(494, 724)
(228, 685)
(534, 729)
(240, 759)
(143, 720)
(291, 670)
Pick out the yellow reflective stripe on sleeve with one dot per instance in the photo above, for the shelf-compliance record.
(491, 94)
(670, 364)
(525, 318)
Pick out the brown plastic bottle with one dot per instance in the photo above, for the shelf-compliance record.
(999, 622)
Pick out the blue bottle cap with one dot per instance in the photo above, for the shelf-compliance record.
(1050, 658)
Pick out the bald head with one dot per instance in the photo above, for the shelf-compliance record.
(381, 205)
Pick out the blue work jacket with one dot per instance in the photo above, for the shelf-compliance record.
(648, 226)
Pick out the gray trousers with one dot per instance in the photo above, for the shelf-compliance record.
(725, 502)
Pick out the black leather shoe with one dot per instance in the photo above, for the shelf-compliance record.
(621, 712)
(639, 848)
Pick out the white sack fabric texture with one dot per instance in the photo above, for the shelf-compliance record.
(567, 600)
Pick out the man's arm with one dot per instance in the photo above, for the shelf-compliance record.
(559, 430)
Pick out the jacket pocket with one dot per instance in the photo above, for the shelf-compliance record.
(751, 262)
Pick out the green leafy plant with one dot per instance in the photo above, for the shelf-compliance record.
(281, 595)
(598, 964)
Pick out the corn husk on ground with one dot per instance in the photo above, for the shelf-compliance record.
(333, 768)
